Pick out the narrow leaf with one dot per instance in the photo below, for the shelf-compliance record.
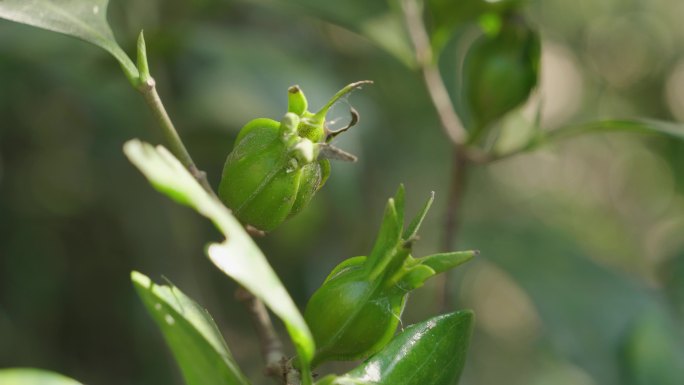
(86, 20)
(238, 257)
(431, 352)
(31, 376)
(193, 337)
(242, 260)
(637, 126)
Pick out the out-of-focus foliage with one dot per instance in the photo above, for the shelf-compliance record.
(580, 242)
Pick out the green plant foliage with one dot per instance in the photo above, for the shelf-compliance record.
(357, 309)
(238, 256)
(380, 21)
(193, 337)
(86, 20)
(31, 376)
(430, 352)
(588, 330)
(651, 355)
(640, 126)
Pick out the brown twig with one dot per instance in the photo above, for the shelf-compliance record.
(433, 79)
(460, 166)
(148, 88)
(271, 346)
(463, 156)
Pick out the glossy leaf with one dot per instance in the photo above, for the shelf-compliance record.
(31, 376)
(193, 337)
(86, 20)
(431, 352)
(239, 257)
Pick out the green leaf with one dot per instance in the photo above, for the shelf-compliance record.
(192, 335)
(86, 20)
(379, 21)
(238, 256)
(31, 376)
(431, 352)
(242, 260)
(644, 126)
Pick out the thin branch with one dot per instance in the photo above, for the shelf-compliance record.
(459, 178)
(433, 79)
(149, 90)
(463, 156)
(271, 346)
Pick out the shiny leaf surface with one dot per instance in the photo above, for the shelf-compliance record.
(431, 352)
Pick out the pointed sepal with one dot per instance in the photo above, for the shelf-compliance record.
(386, 243)
(414, 226)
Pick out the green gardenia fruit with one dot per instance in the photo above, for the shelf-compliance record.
(500, 72)
(275, 168)
(357, 309)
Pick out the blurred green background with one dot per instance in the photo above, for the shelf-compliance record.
(581, 276)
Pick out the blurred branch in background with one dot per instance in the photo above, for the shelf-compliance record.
(452, 127)
(425, 59)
